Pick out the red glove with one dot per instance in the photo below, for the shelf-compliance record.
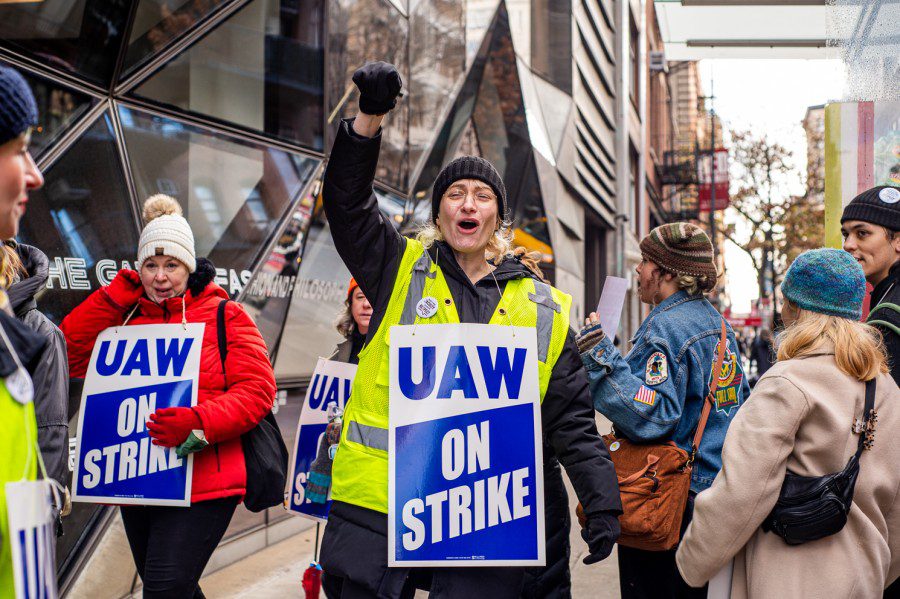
(126, 289)
(170, 427)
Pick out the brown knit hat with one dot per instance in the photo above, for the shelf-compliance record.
(683, 249)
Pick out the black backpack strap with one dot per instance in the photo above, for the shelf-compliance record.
(867, 413)
(222, 332)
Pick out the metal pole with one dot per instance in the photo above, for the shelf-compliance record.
(712, 167)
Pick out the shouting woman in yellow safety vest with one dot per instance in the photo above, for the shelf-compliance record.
(469, 209)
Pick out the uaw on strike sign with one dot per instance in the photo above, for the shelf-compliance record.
(134, 371)
(465, 468)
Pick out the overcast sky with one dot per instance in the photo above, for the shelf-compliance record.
(768, 96)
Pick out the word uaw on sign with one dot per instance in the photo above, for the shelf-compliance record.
(133, 372)
(465, 467)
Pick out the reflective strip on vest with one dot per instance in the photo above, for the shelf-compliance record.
(370, 436)
(420, 271)
(545, 309)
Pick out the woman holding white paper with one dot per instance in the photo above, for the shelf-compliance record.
(469, 226)
(171, 545)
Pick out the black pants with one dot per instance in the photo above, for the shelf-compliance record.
(653, 574)
(442, 583)
(171, 545)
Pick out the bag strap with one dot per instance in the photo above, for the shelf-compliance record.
(711, 396)
(222, 332)
(867, 413)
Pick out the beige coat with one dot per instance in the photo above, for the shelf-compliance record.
(799, 418)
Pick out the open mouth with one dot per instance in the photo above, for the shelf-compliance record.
(468, 224)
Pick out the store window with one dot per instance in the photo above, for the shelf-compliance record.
(551, 41)
(360, 31)
(82, 219)
(635, 67)
(261, 69)
(234, 192)
(78, 36)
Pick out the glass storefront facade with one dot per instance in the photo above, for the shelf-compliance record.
(231, 106)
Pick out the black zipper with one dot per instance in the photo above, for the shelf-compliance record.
(218, 463)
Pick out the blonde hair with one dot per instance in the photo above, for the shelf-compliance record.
(11, 267)
(858, 348)
(693, 285)
(344, 322)
(498, 247)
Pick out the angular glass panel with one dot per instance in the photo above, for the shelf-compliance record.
(234, 192)
(318, 299)
(79, 36)
(58, 106)
(360, 31)
(82, 219)
(479, 16)
(551, 41)
(261, 69)
(437, 62)
(158, 22)
(393, 206)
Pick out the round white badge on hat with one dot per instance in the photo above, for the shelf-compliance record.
(20, 386)
(427, 307)
(889, 195)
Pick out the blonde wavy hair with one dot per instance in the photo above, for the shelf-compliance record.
(11, 267)
(858, 347)
(344, 322)
(691, 284)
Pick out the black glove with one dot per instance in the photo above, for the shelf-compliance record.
(600, 534)
(379, 85)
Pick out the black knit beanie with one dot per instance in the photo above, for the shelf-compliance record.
(879, 206)
(468, 167)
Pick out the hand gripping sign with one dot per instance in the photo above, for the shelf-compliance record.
(330, 386)
(133, 372)
(465, 479)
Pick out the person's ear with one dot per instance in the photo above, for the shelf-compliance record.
(895, 242)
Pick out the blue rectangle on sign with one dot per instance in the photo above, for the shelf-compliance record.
(465, 487)
(117, 458)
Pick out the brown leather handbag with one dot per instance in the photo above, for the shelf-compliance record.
(654, 480)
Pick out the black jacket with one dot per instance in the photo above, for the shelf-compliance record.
(371, 248)
(51, 372)
(888, 291)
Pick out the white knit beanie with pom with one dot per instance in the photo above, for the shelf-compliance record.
(167, 233)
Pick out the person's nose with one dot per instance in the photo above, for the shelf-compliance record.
(366, 305)
(160, 276)
(469, 204)
(849, 244)
(33, 177)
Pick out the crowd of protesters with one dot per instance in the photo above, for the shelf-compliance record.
(789, 487)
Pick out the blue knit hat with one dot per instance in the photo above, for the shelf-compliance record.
(18, 110)
(827, 281)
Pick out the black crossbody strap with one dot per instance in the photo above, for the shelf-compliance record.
(867, 412)
(222, 332)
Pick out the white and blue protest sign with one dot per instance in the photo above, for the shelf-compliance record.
(465, 478)
(32, 539)
(331, 383)
(133, 372)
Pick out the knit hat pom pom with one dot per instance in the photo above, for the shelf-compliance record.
(160, 205)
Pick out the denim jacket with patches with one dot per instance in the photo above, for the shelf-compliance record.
(656, 392)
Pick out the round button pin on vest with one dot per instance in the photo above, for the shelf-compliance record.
(20, 386)
(889, 195)
(427, 307)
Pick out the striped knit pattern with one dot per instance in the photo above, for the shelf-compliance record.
(827, 281)
(681, 248)
(18, 110)
(468, 167)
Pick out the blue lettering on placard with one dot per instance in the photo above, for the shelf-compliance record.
(319, 397)
(138, 360)
(457, 375)
(172, 355)
(423, 388)
(501, 370)
(315, 392)
(103, 367)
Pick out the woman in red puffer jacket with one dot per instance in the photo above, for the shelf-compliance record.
(171, 545)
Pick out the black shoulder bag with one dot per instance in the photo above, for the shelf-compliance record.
(265, 454)
(814, 507)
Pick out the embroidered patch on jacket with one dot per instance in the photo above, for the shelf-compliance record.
(657, 370)
(645, 396)
(731, 376)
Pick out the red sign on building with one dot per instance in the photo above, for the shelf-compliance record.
(721, 180)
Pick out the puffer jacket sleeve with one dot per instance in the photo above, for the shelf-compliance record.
(568, 420)
(754, 461)
(250, 381)
(81, 327)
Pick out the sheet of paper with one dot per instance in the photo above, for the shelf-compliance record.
(610, 307)
(720, 585)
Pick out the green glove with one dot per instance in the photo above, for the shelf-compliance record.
(194, 443)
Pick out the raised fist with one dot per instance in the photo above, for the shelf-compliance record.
(126, 289)
(379, 85)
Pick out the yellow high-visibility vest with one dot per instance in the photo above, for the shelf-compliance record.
(360, 470)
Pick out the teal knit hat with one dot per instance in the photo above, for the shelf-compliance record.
(827, 281)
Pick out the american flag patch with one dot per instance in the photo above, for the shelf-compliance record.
(645, 395)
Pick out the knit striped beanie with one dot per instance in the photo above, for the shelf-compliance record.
(683, 249)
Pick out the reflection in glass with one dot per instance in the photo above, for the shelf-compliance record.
(82, 219)
(234, 192)
(392, 206)
(359, 31)
(437, 61)
(479, 16)
(551, 41)
(157, 22)
(318, 298)
(82, 36)
(58, 107)
(261, 69)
